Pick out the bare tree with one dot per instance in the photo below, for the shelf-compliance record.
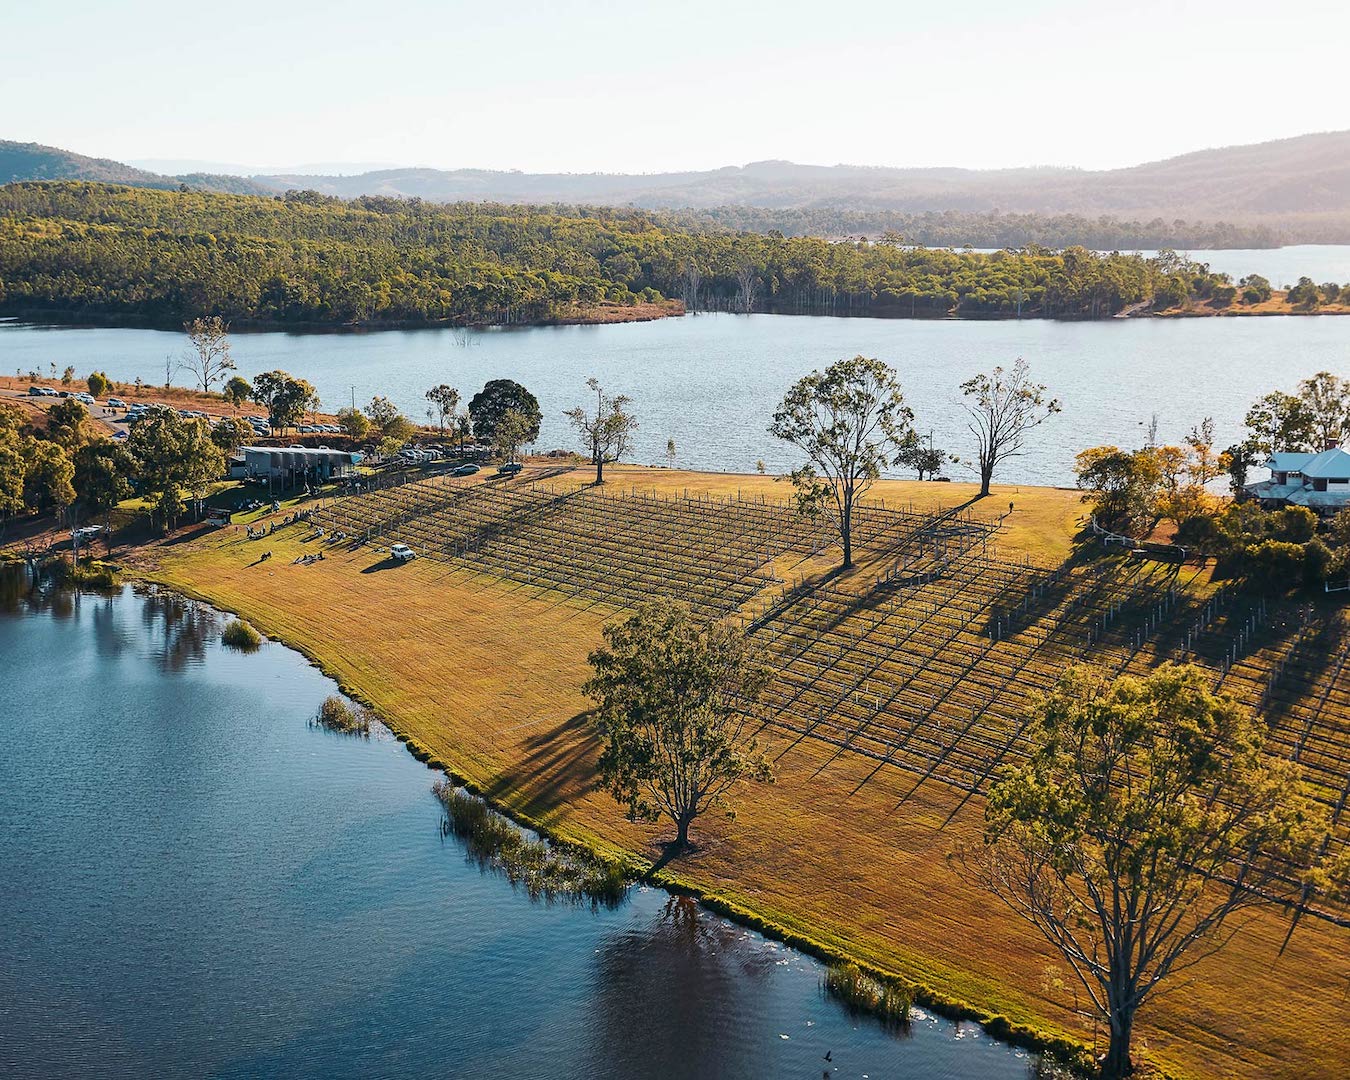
(209, 358)
(607, 432)
(746, 280)
(693, 279)
(847, 420)
(1003, 407)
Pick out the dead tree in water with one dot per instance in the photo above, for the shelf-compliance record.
(745, 284)
(693, 279)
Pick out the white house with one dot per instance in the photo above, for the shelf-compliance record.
(1320, 482)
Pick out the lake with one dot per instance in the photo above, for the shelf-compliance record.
(196, 882)
(710, 382)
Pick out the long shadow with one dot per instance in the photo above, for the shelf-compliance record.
(384, 564)
(188, 534)
(557, 765)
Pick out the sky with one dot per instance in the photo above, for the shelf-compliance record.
(599, 86)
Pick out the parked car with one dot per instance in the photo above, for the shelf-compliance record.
(119, 434)
(510, 468)
(37, 391)
(467, 469)
(402, 553)
(116, 403)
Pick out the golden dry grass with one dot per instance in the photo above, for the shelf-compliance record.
(484, 675)
(1042, 523)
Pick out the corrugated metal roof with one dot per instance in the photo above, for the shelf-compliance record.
(1288, 461)
(1333, 464)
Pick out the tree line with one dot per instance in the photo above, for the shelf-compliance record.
(167, 257)
(985, 229)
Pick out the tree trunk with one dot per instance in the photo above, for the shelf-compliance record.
(846, 530)
(682, 823)
(1116, 1064)
(986, 475)
(599, 469)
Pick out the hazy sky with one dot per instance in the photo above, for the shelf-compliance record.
(638, 87)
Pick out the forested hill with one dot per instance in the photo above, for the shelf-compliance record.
(33, 161)
(146, 255)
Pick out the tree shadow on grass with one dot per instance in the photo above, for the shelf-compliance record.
(670, 851)
(557, 764)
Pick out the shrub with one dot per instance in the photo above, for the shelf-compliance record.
(239, 635)
(1274, 565)
(337, 715)
(1255, 289)
(859, 992)
(1294, 524)
(87, 575)
(1317, 561)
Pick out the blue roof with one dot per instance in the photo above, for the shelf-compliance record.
(1288, 461)
(1333, 464)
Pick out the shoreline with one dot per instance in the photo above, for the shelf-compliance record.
(611, 315)
(994, 1024)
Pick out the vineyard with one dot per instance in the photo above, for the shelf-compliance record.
(923, 661)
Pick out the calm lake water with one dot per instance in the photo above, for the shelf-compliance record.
(196, 883)
(710, 382)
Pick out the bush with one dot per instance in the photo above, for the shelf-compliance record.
(1255, 289)
(1275, 565)
(87, 575)
(239, 635)
(337, 715)
(1294, 524)
(1317, 563)
(859, 992)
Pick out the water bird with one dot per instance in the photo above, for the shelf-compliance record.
(829, 1055)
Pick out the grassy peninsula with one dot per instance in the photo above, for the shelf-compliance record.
(479, 670)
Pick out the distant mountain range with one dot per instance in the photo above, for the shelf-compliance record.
(1299, 187)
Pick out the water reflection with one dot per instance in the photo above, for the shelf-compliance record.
(697, 973)
(25, 591)
(178, 630)
(197, 883)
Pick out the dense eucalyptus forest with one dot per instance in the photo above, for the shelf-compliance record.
(135, 254)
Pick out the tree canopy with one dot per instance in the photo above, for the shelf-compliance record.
(605, 432)
(849, 420)
(676, 699)
(1146, 818)
(301, 258)
(495, 400)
